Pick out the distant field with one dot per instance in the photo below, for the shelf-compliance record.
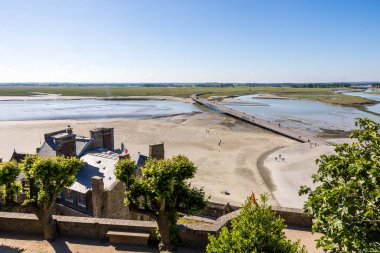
(318, 94)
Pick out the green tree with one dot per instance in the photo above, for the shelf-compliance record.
(346, 202)
(257, 228)
(9, 188)
(45, 179)
(162, 192)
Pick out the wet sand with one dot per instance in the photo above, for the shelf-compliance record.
(45, 96)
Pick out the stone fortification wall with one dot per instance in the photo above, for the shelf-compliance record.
(294, 216)
(193, 234)
(198, 234)
(70, 226)
(19, 223)
(96, 228)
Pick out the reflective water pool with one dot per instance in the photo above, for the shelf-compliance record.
(310, 116)
(90, 108)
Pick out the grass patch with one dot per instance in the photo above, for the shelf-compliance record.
(195, 222)
(317, 94)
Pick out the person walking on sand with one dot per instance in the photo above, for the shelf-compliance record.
(220, 142)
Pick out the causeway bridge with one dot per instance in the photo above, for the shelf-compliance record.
(294, 134)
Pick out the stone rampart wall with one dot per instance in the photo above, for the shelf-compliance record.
(294, 216)
(198, 234)
(96, 228)
(19, 223)
(70, 226)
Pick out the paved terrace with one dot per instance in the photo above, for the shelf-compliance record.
(254, 120)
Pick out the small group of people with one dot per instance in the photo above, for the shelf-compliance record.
(279, 158)
(313, 144)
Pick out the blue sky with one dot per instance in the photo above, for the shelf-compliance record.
(189, 41)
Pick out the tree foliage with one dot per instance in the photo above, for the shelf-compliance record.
(9, 188)
(256, 229)
(346, 204)
(162, 192)
(45, 178)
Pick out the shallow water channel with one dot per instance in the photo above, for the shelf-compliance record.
(368, 95)
(310, 116)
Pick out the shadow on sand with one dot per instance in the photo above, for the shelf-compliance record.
(10, 249)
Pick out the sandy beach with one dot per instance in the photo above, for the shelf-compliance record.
(285, 169)
(231, 167)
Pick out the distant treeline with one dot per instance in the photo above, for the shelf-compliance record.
(294, 85)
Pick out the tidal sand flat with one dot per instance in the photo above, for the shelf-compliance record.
(230, 166)
(286, 169)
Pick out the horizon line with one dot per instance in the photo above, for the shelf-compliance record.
(61, 82)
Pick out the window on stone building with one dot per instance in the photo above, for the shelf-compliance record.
(81, 199)
(69, 195)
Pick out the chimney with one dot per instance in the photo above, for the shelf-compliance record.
(103, 138)
(97, 196)
(157, 151)
(108, 138)
(65, 144)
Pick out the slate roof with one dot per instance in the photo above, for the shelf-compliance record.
(98, 162)
(140, 160)
(48, 147)
(18, 157)
(81, 144)
(47, 150)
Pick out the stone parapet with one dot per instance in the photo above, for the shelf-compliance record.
(97, 228)
(70, 226)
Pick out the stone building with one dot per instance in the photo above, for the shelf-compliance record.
(17, 156)
(96, 191)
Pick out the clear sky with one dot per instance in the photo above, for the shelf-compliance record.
(189, 40)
